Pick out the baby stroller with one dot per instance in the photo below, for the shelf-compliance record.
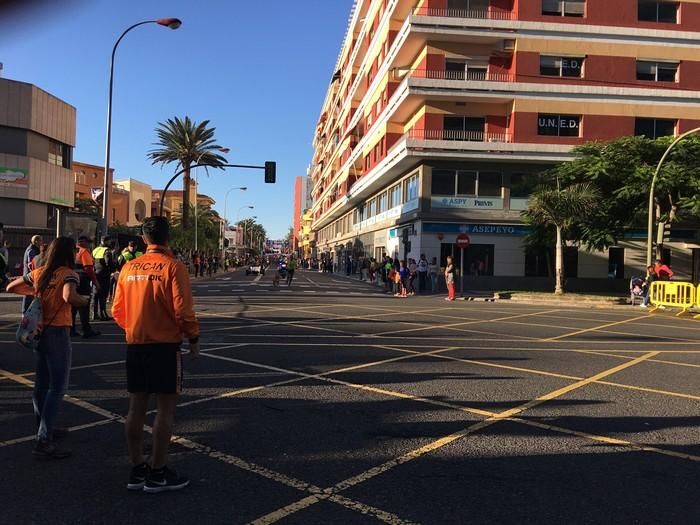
(638, 289)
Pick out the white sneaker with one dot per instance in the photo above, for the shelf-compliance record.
(643, 305)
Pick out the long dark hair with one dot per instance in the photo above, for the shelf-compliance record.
(61, 252)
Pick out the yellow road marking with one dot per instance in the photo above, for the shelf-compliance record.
(435, 327)
(275, 516)
(593, 329)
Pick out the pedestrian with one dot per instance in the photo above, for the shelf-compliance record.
(433, 274)
(153, 304)
(650, 278)
(403, 278)
(364, 269)
(29, 254)
(55, 284)
(348, 266)
(196, 262)
(40, 259)
(450, 279)
(85, 269)
(422, 273)
(105, 266)
(128, 254)
(4, 263)
(372, 270)
(663, 272)
(412, 274)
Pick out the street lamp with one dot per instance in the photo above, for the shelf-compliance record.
(223, 237)
(650, 224)
(172, 23)
(238, 214)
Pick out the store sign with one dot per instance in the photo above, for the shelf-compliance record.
(13, 175)
(483, 229)
(472, 203)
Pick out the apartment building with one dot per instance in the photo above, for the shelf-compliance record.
(440, 112)
(37, 136)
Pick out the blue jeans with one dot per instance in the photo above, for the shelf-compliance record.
(53, 360)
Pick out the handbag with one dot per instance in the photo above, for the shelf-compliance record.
(31, 326)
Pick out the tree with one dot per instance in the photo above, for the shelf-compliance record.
(254, 233)
(186, 143)
(561, 208)
(207, 229)
(622, 170)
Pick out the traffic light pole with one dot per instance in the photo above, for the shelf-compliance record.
(270, 168)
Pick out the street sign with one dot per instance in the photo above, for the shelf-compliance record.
(462, 240)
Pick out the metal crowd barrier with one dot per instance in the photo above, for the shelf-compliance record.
(673, 294)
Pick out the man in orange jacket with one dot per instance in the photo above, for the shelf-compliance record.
(153, 304)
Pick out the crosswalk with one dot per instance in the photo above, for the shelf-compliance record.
(246, 288)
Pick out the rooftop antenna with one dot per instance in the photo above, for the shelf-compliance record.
(0, 69)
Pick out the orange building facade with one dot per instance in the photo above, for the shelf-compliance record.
(441, 111)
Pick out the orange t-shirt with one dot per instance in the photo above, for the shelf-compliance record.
(153, 301)
(57, 312)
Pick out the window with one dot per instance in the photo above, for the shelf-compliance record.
(460, 69)
(490, 184)
(381, 203)
(59, 154)
(371, 208)
(522, 185)
(463, 128)
(443, 182)
(654, 127)
(657, 11)
(466, 183)
(450, 182)
(558, 125)
(395, 196)
(657, 71)
(563, 7)
(411, 188)
(561, 66)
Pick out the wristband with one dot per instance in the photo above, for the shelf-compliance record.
(193, 340)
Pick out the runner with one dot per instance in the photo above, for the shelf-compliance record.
(291, 266)
(153, 304)
(55, 283)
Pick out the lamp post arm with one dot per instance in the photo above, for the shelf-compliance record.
(202, 166)
(650, 222)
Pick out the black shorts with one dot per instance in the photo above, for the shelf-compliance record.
(154, 368)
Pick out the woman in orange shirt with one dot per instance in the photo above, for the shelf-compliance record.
(54, 283)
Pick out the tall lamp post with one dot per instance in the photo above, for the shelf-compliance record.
(238, 214)
(223, 236)
(650, 224)
(172, 23)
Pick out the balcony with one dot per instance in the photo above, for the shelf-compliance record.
(491, 13)
(478, 75)
(458, 135)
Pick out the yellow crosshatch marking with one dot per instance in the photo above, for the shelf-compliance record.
(415, 347)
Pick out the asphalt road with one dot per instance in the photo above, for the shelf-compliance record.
(331, 402)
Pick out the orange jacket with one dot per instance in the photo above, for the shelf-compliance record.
(153, 301)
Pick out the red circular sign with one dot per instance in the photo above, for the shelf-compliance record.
(462, 240)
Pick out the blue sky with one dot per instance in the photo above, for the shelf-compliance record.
(257, 70)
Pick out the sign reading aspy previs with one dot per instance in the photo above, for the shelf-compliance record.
(472, 203)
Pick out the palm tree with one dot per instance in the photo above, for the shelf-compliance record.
(561, 208)
(186, 143)
(207, 228)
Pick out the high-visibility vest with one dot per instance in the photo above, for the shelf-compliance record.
(99, 252)
(129, 256)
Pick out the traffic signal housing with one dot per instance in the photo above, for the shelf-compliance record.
(270, 172)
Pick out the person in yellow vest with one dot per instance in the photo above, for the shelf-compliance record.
(129, 253)
(105, 265)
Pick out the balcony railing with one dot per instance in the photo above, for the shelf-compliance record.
(474, 75)
(463, 136)
(479, 14)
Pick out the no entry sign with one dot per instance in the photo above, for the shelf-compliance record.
(462, 240)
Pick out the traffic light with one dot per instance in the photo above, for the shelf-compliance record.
(667, 232)
(270, 172)
(404, 235)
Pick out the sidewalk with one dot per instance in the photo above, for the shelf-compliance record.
(566, 299)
